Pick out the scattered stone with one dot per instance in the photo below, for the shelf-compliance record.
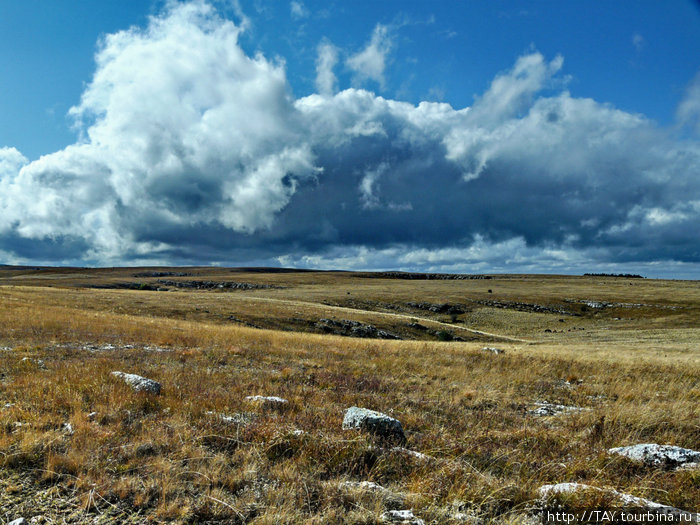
(527, 307)
(412, 453)
(354, 329)
(390, 498)
(242, 418)
(625, 500)
(152, 348)
(445, 308)
(493, 350)
(18, 521)
(37, 362)
(365, 486)
(373, 422)
(405, 517)
(545, 409)
(138, 383)
(91, 416)
(98, 348)
(67, 429)
(269, 401)
(213, 285)
(658, 455)
(8, 405)
(596, 304)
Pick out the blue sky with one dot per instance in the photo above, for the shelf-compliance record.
(447, 136)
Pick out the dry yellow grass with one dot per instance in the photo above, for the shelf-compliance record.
(132, 457)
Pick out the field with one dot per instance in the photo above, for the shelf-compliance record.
(78, 445)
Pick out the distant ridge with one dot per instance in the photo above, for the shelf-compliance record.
(625, 275)
(422, 276)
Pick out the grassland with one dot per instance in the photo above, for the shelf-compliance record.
(627, 351)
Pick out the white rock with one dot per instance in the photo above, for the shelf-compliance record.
(596, 304)
(551, 409)
(67, 428)
(366, 486)
(138, 383)
(373, 422)
(493, 350)
(267, 400)
(37, 362)
(18, 521)
(243, 418)
(624, 499)
(402, 516)
(412, 453)
(658, 455)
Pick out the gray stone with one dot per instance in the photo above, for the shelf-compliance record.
(493, 350)
(373, 422)
(402, 516)
(412, 453)
(390, 498)
(138, 383)
(38, 362)
(364, 486)
(552, 409)
(269, 401)
(658, 455)
(18, 521)
(242, 418)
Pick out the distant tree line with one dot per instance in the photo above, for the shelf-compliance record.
(625, 275)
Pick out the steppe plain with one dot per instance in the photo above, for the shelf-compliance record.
(78, 445)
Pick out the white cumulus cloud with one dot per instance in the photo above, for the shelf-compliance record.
(327, 58)
(370, 63)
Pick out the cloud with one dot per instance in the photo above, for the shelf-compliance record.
(193, 152)
(180, 128)
(298, 10)
(688, 112)
(370, 63)
(326, 81)
(638, 42)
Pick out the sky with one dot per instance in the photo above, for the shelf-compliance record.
(452, 136)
